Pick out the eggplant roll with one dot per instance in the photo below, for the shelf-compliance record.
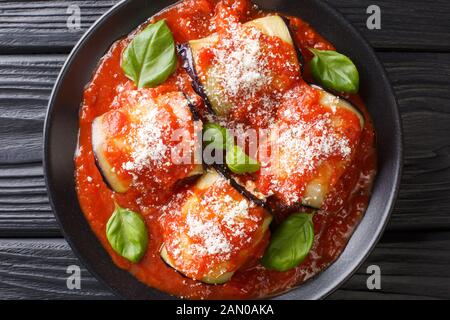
(143, 139)
(309, 146)
(312, 143)
(211, 230)
(248, 64)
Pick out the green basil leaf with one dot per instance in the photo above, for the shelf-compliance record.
(239, 162)
(290, 243)
(334, 71)
(150, 57)
(220, 139)
(127, 234)
(216, 135)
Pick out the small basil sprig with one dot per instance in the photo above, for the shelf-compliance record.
(216, 136)
(290, 243)
(127, 234)
(239, 162)
(150, 57)
(334, 71)
(236, 159)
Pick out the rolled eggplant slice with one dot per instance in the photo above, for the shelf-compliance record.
(250, 61)
(244, 186)
(312, 143)
(334, 102)
(134, 144)
(330, 171)
(273, 26)
(211, 230)
(100, 142)
(212, 277)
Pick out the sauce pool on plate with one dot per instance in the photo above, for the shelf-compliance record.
(290, 100)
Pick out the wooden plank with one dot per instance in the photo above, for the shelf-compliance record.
(24, 206)
(413, 265)
(421, 83)
(37, 269)
(411, 25)
(25, 86)
(41, 26)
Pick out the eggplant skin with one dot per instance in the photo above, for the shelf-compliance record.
(301, 60)
(193, 108)
(102, 174)
(269, 25)
(344, 103)
(227, 174)
(218, 272)
(182, 107)
(185, 52)
(206, 279)
(110, 178)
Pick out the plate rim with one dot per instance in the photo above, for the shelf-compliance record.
(331, 287)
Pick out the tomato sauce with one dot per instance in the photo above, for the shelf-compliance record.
(207, 205)
(333, 224)
(276, 66)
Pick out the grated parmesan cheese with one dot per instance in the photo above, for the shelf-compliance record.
(212, 231)
(243, 71)
(146, 141)
(304, 145)
(212, 239)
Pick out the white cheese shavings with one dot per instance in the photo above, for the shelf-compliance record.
(214, 230)
(242, 71)
(146, 141)
(304, 145)
(218, 232)
(213, 241)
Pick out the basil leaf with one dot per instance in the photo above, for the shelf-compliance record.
(334, 71)
(217, 136)
(238, 162)
(290, 243)
(127, 234)
(150, 57)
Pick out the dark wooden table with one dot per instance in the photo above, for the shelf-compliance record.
(414, 46)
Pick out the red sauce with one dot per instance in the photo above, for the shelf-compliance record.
(206, 206)
(157, 177)
(334, 223)
(302, 117)
(253, 105)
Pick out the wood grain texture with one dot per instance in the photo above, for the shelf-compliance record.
(37, 269)
(420, 81)
(41, 26)
(414, 253)
(405, 24)
(415, 265)
(25, 86)
(24, 207)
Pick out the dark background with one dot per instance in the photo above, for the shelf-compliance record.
(413, 45)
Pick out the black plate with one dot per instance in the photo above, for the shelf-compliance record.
(61, 129)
